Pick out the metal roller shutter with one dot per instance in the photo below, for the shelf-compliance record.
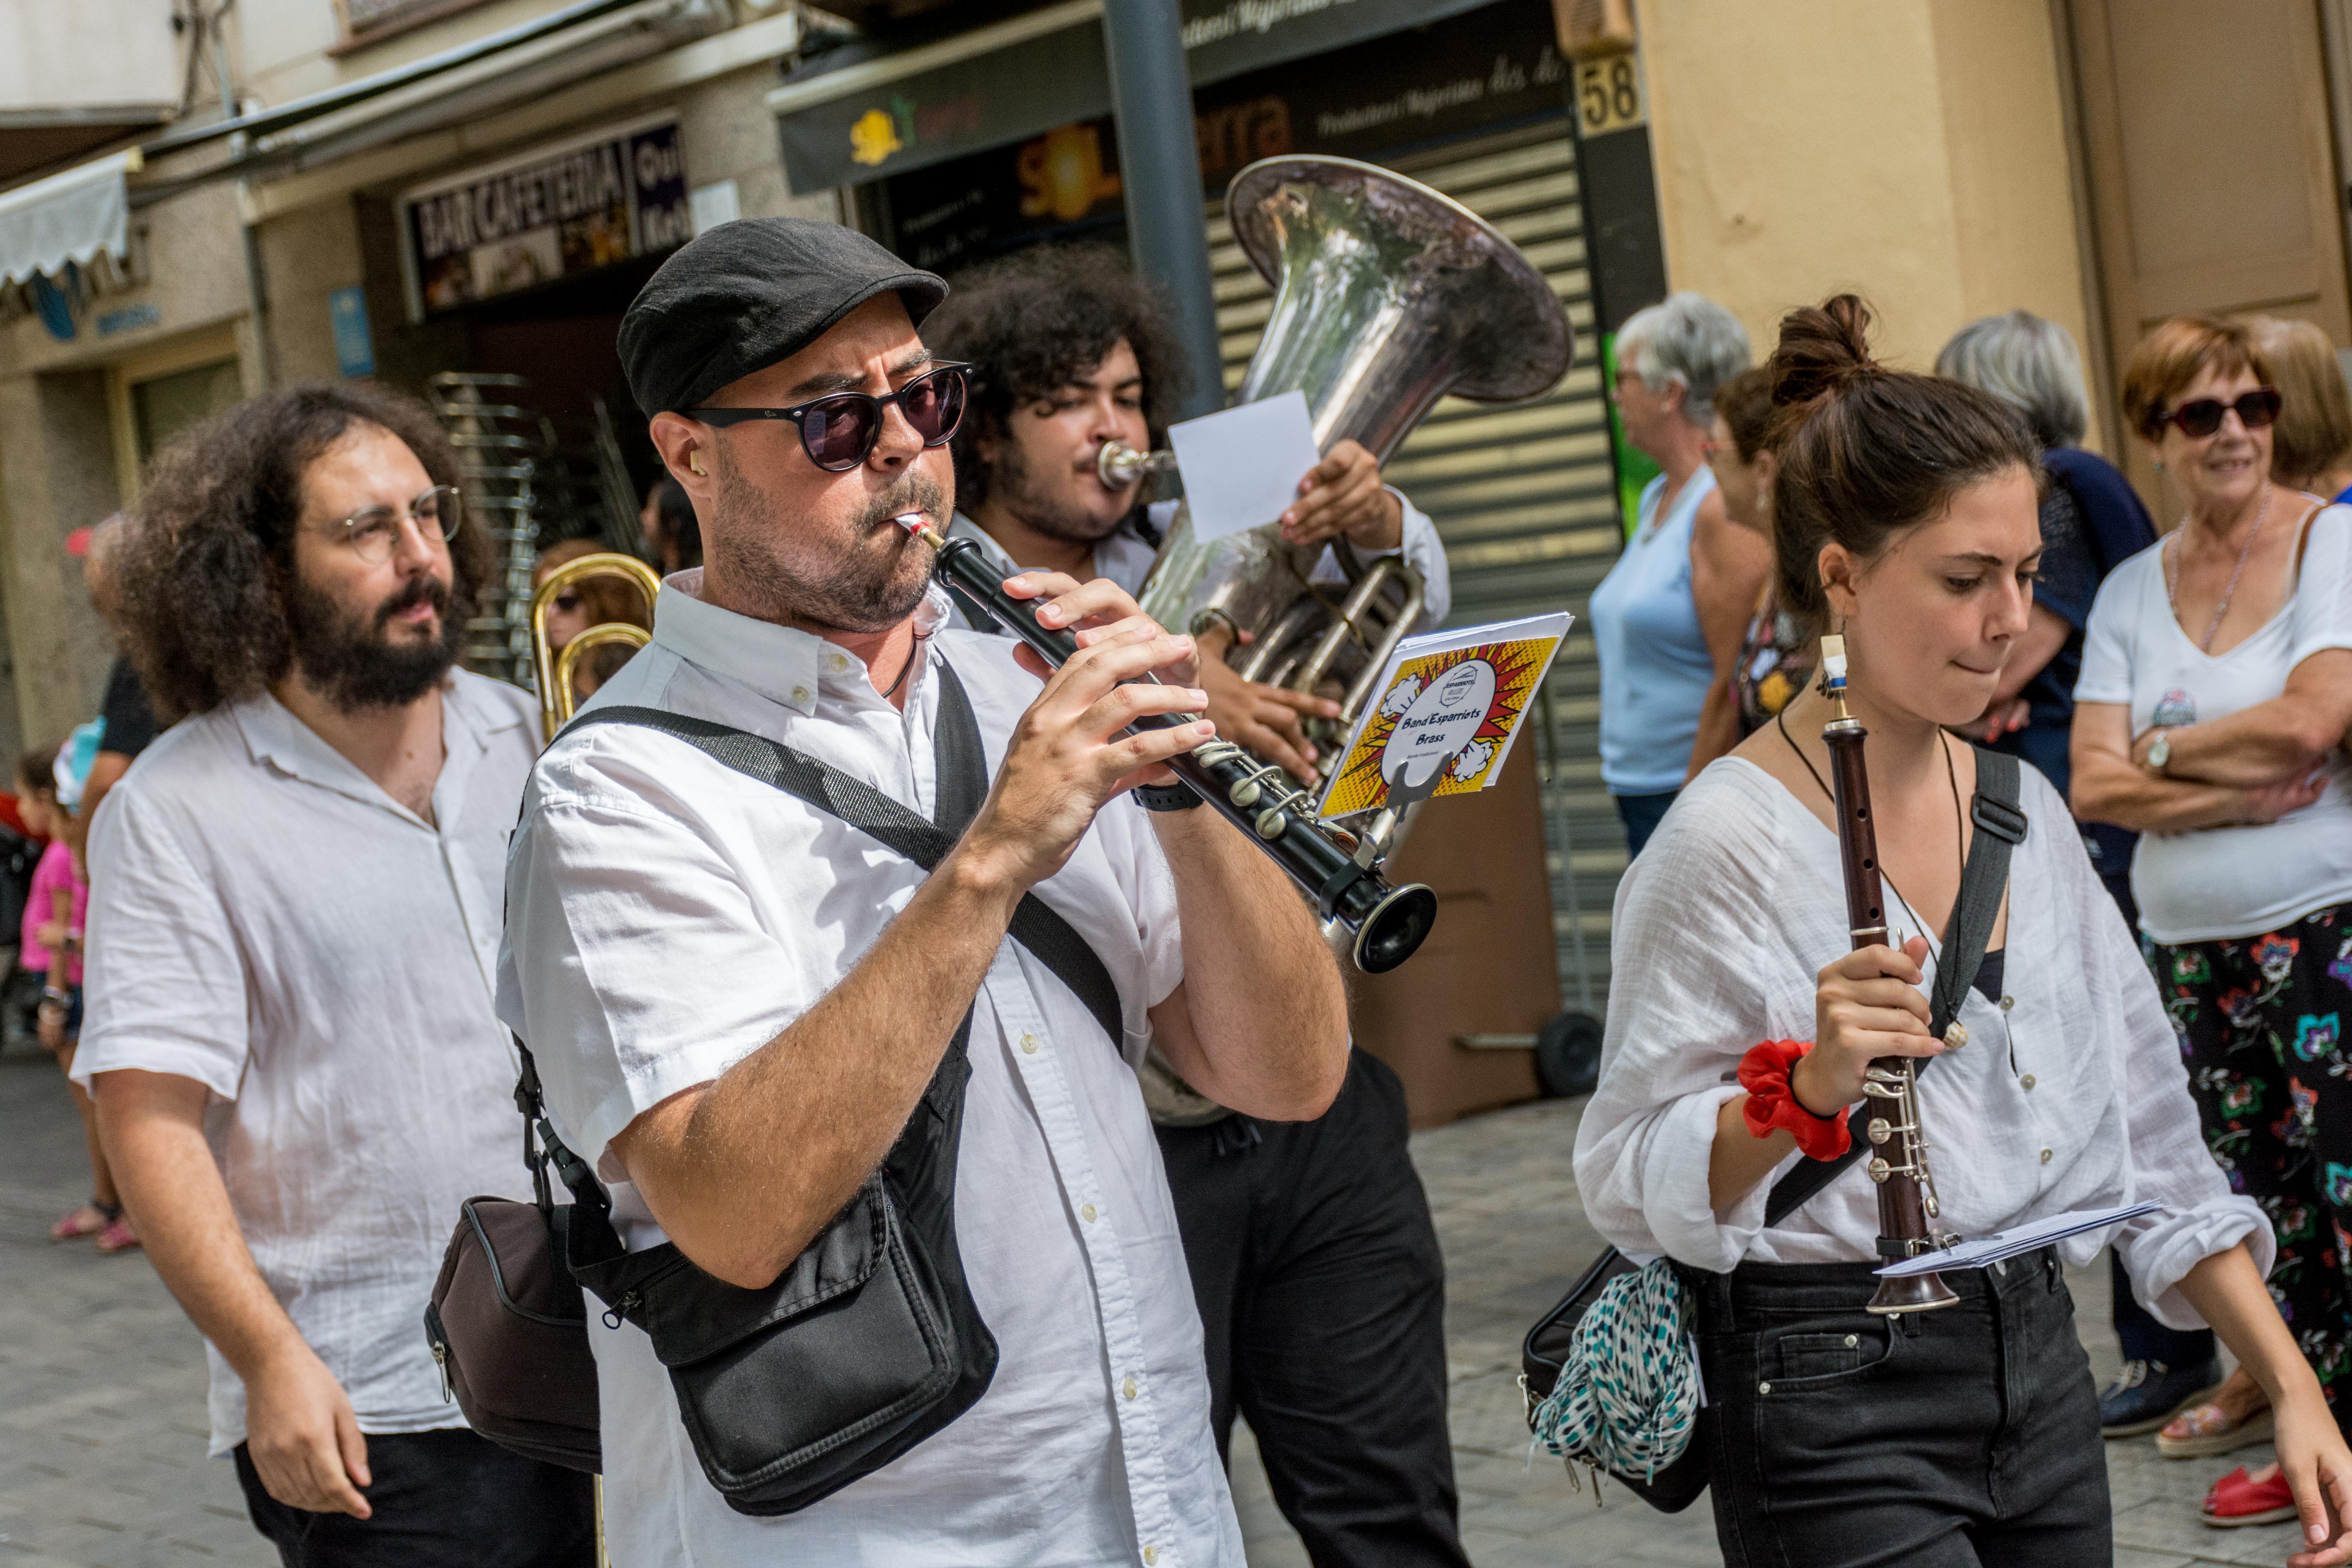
(1524, 497)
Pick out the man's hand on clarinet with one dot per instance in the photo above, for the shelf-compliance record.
(1865, 1005)
(1343, 494)
(1266, 719)
(1069, 755)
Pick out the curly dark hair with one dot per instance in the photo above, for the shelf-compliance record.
(1034, 320)
(205, 575)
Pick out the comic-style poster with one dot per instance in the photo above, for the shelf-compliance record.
(1449, 709)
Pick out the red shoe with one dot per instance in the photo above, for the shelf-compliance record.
(117, 1236)
(2235, 1500)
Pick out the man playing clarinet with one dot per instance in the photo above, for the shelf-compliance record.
(736, 999)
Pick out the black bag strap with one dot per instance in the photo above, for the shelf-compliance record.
(2000, 827)
(962, 785)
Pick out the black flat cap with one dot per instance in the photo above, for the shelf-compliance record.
(744, 295)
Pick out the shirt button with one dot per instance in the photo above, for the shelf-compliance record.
(2027, 1080)
(2045, 1156)
(1151, 1555)
(2007, 1003)
(1028, 1045)
(835, 664)
(1088, 1212)
(799, 694)
(1128, 1388)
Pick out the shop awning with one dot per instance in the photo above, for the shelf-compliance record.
(1029, 73)
(70, 219)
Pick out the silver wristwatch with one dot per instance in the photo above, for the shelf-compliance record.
(2160, 752)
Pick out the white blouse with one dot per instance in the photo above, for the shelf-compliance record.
(2070, 1094)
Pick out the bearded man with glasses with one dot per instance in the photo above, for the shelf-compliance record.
(294, 929)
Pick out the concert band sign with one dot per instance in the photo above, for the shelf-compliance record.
(552, 213)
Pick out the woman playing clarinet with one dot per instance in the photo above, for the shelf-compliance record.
(1772, 960)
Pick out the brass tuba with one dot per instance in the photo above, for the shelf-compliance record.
(552, 672)
(1388, 296)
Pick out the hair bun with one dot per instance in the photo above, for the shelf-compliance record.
(1823, 348)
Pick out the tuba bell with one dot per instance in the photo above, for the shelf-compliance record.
(1388, 296)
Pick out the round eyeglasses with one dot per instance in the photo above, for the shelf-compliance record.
(374, 531)
(838, 430)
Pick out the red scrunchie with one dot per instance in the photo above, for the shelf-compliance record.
(1764, 1074)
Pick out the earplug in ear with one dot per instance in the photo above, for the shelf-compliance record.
(694, 461)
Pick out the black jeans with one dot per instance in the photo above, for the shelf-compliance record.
(1322, 1296)
(441, 1500)
(1965, 1437)
(1641, 814)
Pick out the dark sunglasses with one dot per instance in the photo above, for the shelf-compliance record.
(838, 430)
(2200, 417)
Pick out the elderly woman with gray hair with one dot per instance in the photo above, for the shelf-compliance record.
(2092, 522)
(1668, 619)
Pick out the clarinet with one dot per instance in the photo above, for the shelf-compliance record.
(1898, 1161)
(1339, 872)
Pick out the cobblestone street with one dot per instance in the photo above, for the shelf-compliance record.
(102, 1382)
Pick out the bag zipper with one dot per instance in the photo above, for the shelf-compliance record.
(441, 1364)
(629, 1302)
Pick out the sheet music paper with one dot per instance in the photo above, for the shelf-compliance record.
(1977, 1252)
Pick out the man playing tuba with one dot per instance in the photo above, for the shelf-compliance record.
(1312, 1254)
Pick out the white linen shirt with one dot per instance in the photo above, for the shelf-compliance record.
(265, 920)
(1125, 556)
(2069, 1095)
(668, 916)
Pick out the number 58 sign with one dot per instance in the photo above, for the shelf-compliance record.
(1609, 93)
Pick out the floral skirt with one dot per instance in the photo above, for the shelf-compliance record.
(2261, 1022)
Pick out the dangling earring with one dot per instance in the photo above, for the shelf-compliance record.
(693, 463)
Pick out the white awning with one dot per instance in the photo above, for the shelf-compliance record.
(73, 218)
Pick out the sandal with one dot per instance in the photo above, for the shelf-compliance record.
(117, 1236)
(2202, 1431)
(92, 1219)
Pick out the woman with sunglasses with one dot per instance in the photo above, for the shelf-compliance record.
(2210, 714)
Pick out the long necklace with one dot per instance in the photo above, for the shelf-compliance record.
(2172, 572)
(1959, 817)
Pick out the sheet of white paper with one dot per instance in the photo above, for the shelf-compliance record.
(1241, 466)
(1977, 1252)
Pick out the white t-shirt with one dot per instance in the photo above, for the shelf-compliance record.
(2070, 1095)
(668, 916)
(265, 920)
(2222, 882)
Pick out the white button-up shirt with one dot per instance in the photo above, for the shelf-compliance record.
(265, 920)
(2069, 1095)
(668, 916)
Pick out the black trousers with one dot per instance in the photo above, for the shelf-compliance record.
(1965, 1437)
(441, 1500)
(1322, 1293)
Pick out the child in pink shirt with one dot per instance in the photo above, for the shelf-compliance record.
(52, 947)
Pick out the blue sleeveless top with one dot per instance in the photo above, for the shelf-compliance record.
(1655, 666)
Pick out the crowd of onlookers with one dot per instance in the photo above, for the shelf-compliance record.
(2206, 764)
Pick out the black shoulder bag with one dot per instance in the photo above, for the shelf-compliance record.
(2000, 827)
(869, 1342)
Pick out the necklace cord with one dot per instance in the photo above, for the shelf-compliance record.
(2172, 576)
